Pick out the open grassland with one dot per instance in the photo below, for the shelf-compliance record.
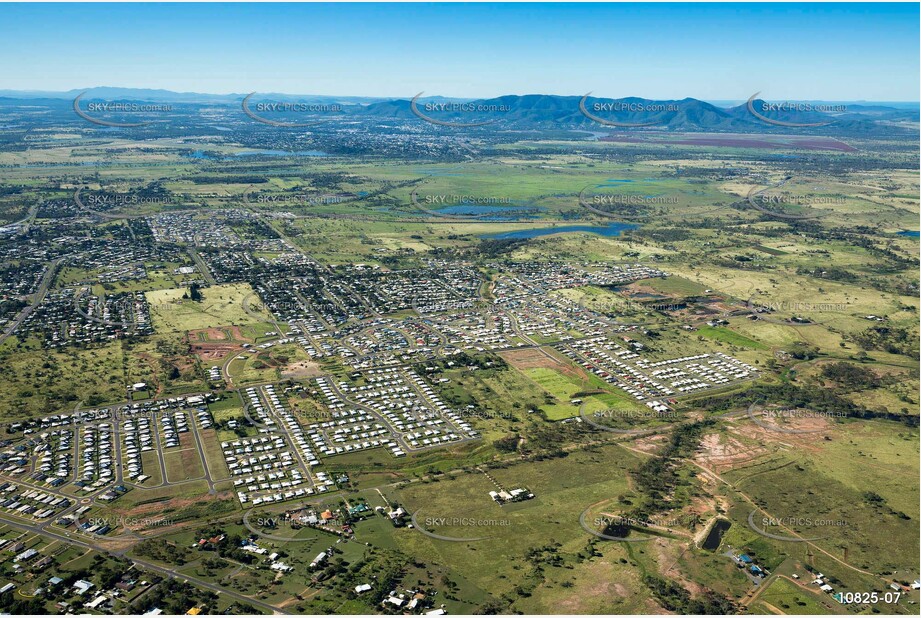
(214, 456)
(795, 295)
(221, 305)
(870, 456)
(794, 598)
(151, 464)
(817, 492)
(375, 466)
(672, 342)
(266, 365)
(37, 381)
(563, 488)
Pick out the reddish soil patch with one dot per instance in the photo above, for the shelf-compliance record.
(182, 363)
(214, 352)
(212, 345)
(237, 334)
(217, 335)
(207, 334)
(811, 442)
(747, 442)
(533, 359)
(649, 444)
(724, 452)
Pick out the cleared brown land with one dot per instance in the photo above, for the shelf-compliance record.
(531, 358)
(301, 369)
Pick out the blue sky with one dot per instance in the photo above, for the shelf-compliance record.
(845, 52)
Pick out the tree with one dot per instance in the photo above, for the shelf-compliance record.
(507, 444)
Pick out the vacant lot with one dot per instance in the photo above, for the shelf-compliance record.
(221, 305)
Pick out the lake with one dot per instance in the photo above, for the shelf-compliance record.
(612, 229)
(715, 536)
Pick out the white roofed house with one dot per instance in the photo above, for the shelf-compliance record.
(396, 601)
(319, 560)
(81, 586)
(98, 602)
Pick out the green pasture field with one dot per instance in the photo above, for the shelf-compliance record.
(731, 337)
(214, 456)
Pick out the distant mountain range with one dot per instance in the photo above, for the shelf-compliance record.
(151, 94)
(681, 114)
(168, 96)
(535, 110)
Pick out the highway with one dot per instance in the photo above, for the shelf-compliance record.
(202, 267)
(39, 296)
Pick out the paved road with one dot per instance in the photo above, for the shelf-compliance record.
(194, 428)
(69, 539)
(533, 344)
(202, 267)
(26, 222)
(40, 294)
(295, 448)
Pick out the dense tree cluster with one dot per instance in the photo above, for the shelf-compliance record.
(891, 339)
(812, 397)
(850, 376)
(175, 597)
(675, 598)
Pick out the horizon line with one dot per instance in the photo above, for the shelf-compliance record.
(35, 91)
